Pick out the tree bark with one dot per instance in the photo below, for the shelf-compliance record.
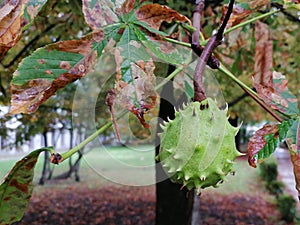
(46, 166)
(173, 204)
(235, 122)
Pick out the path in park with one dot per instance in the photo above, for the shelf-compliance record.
(286, 175)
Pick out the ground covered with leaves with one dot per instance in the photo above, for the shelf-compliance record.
(122, 205)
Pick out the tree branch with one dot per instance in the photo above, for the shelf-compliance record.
(212, 62)
(214, 41)
(290, 16)
(199, 6)
(2, 89)
(199, 92)
(239, 98)
(225, 21)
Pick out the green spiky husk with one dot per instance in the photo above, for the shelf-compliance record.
(198, 146)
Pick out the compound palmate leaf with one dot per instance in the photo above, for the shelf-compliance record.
(16, 188)
(40, 75)
(135, 50)
(264, 141)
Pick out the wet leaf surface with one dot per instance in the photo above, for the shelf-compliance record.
(17, 187)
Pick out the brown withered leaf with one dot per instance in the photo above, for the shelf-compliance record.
(293, 142)
(295, 158)
(10, 23)
(14, 16)
(239, 13)
(109, 101)
(99, 13)
(257, 4)
(263, 55)
(271, 86)
(138, 96)
(155, 14)
(48, 69)
(257, 141)
(128, 6)
(277, 95)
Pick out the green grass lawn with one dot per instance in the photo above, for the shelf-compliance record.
(134, 166)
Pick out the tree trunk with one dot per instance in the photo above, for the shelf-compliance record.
(46, 166)
(235, 122)
(173, 204)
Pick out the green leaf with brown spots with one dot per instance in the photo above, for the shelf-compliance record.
(277, 95)
(50, 68)
(17, 187)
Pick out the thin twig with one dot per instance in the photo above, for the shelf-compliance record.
(238, 99)
(225, 21)
(263, 105)
(109, 101)
(290, 16)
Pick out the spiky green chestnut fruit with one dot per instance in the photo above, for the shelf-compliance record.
(198, 147)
